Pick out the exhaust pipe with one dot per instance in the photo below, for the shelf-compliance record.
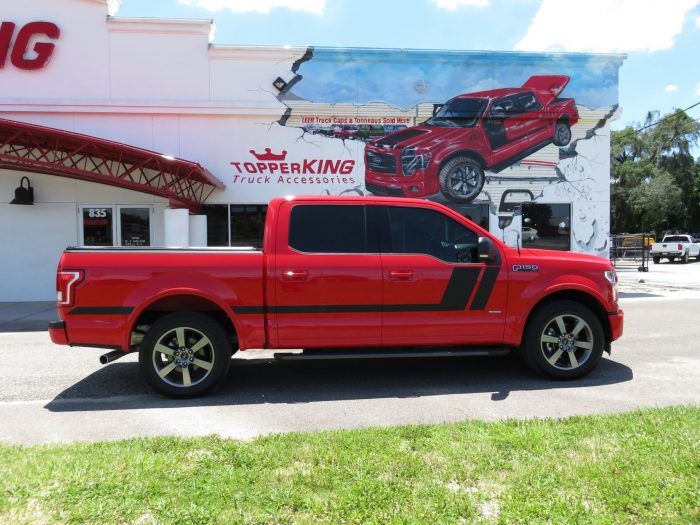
(112, 356)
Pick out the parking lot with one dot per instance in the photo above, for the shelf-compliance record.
(51, 393)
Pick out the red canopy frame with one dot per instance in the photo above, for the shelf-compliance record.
(40, 149)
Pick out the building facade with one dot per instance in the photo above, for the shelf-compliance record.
(140, 132)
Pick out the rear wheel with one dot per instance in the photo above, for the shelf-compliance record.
(685, 258)
(564, 340)
(656, 259)
(184, 354)
(461, 179)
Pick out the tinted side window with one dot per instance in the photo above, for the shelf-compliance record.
(328, 229)
(416, 230)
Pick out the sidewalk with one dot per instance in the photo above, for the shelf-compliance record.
(27, 316)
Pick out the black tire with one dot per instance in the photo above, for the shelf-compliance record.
(685, 258)
(562, 134)
(178, 349)
(461, 179)
(568, 354)
(671, 259)
(656, 259)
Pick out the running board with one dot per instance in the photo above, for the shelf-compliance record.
(324, 354)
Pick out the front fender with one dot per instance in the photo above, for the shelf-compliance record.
(534, 295)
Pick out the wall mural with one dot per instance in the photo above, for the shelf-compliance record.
(472, 130)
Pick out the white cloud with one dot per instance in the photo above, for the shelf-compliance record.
(453, 5)
(604, 26)
(697, 22)
(671, 88)
(264, 7)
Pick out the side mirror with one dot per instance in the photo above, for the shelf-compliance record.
(488, 253)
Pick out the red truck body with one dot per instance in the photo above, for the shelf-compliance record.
(285, 297)
(493, 129)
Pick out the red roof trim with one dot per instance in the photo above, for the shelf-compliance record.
(40, 149)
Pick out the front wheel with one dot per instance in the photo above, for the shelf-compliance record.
(184, 354)
(562, 134)
(564, 340)
(461, 179)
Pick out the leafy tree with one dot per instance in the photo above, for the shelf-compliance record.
(655, 179)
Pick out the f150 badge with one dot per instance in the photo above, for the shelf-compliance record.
(526, 268)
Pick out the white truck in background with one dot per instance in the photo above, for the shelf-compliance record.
(675, 246)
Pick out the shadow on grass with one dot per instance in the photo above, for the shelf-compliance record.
(119, 386)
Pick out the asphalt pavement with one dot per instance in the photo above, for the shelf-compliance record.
(53, 393)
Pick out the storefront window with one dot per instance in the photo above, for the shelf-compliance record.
(135, 226)
(217, 224)
(546, 226)
(98, 227)
(247, 225)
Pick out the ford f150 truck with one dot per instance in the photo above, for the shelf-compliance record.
(674, 247)
(337, 276)
(471, 133)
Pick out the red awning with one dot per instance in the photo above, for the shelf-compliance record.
(39, 149)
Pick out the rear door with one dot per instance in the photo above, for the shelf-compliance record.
(327, 277)
(436, 292)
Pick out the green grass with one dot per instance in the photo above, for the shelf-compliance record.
(639, 467)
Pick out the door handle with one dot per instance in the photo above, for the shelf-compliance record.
(295, 275)
(400, 275)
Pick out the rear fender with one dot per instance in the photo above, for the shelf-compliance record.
(145, 302)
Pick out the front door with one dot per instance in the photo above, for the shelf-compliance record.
(436, 292)
(327, 278)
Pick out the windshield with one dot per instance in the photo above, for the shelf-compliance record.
(459, 113)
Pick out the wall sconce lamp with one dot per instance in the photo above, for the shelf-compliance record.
(279, 83)
(23, 195)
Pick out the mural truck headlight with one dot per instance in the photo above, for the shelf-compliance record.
(414, 158)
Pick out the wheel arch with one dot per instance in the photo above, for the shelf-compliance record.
(463, 153)
(177, 301)
(579, 296)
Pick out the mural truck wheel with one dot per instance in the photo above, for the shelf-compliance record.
(562, 134)
(461, 179)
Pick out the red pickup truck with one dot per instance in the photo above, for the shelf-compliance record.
(471, 133)
(341, 276)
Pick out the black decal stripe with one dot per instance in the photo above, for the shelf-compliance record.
(460, 288)
(485, 288)
(101, 310)
(243, 310)
(455, 298)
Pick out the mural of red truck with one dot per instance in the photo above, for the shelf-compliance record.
(468, 135)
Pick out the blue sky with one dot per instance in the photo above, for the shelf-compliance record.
(661, 39)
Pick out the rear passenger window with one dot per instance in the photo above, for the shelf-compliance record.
(416, 230)
(328, 229)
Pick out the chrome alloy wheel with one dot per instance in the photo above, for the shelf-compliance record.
(464, 178)
(183, 357)
(566, 342)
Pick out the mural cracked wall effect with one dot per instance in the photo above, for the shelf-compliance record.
(380, 110)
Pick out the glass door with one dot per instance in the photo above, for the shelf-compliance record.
(110, 225)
